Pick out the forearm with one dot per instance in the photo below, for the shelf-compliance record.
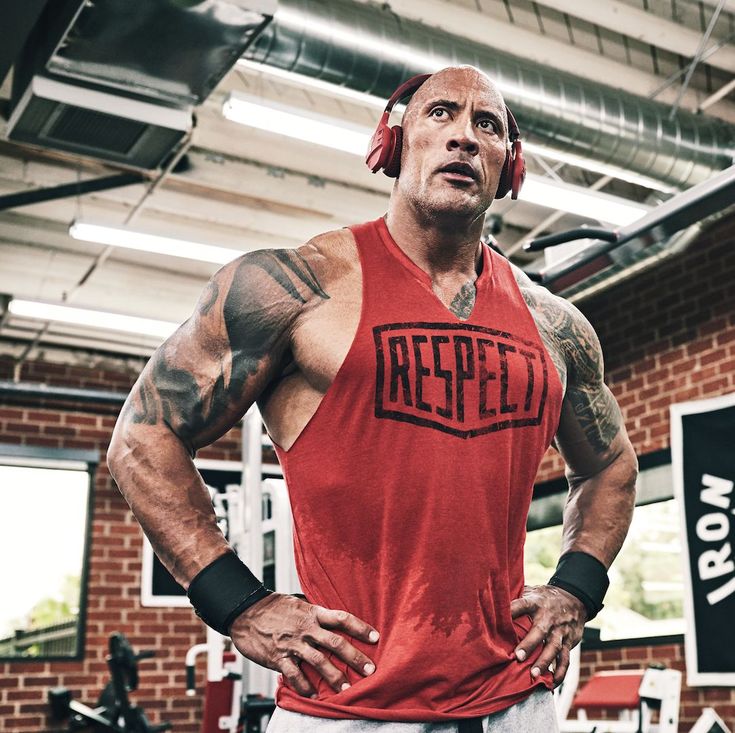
(600, 507)
(157, 477)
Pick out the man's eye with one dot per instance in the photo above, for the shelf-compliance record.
(488, 124)
(438, 111)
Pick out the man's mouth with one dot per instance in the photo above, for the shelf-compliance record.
(459, 171)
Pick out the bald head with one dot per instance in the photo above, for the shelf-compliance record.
(445, 82)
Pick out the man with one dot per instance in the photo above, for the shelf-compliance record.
(411, 381)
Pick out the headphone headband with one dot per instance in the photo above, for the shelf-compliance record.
(408, 87)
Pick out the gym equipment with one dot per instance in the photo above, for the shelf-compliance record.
(679, 212)
(634, 694)
(709, 722)
(384, 150)
(239, 692)
(114, 711)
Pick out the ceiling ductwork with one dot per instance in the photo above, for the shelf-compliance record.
(117, 80)
(370, 49)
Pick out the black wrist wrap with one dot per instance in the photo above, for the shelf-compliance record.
(223, 590)
(585, 577)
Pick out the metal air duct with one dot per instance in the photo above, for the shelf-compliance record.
(370, 49)
(117, 79)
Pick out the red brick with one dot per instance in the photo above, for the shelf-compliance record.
(45, 416)
(76, 419)
(11, 413)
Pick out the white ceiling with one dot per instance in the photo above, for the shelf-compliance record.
(249, 189)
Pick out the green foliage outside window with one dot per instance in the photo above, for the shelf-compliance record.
(646, 580)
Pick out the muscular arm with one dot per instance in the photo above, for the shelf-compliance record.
(601, 463)
(601, 468)
(195, 387)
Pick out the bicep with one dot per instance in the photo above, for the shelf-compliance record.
(591, 433)
(205, 376)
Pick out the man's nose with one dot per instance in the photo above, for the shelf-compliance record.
(463, 138)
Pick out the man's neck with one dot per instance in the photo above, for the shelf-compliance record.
(442, 249)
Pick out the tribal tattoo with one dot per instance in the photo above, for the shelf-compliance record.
(576, 352)
(192, 394)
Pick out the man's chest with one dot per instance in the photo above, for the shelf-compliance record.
(324, 339)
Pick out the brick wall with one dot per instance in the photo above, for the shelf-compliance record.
(113, 601)
(668, 335)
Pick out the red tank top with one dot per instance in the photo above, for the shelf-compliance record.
(410, 488)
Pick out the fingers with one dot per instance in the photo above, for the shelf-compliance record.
(529, 642)
(344, 650)
(284, 632)
(522, 606)
(562, 665)
(344, 621)
(320, 662)
(552, 649)
(295, 678)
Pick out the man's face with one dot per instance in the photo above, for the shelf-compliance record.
(454, 145)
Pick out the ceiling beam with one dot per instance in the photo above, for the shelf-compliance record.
(729, 6)
(511, 39)
(643, 26)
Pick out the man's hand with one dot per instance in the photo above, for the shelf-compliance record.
(281, 630)
(558, 621)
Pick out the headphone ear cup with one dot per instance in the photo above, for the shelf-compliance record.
(379, 148)
(393, 159)
(506, 176)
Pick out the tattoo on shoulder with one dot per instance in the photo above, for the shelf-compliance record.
(168, 390)
(543, 314)
(282, 265)
(211, 294)
(464, 301)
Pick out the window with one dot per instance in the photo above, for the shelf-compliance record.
(646, 593)
(45, 499)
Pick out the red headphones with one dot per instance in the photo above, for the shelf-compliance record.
(384, 150)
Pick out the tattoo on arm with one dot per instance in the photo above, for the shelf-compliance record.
(543, 312)
(576, 353)
(199, 378)
(463, 302)
(289, 261)
(594, 406)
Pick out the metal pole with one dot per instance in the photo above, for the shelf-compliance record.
(252, 495)
(25, 198)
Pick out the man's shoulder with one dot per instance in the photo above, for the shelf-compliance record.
(542, 303)
(330, 249)
(304, 272)
(560, 321)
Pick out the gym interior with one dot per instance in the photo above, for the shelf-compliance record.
(143, 145)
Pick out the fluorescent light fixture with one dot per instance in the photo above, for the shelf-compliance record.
(581, 201)
(152, 243)
(300, 124)
(300, 80)
(86, 317)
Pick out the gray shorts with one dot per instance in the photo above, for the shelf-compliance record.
(535, 714)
